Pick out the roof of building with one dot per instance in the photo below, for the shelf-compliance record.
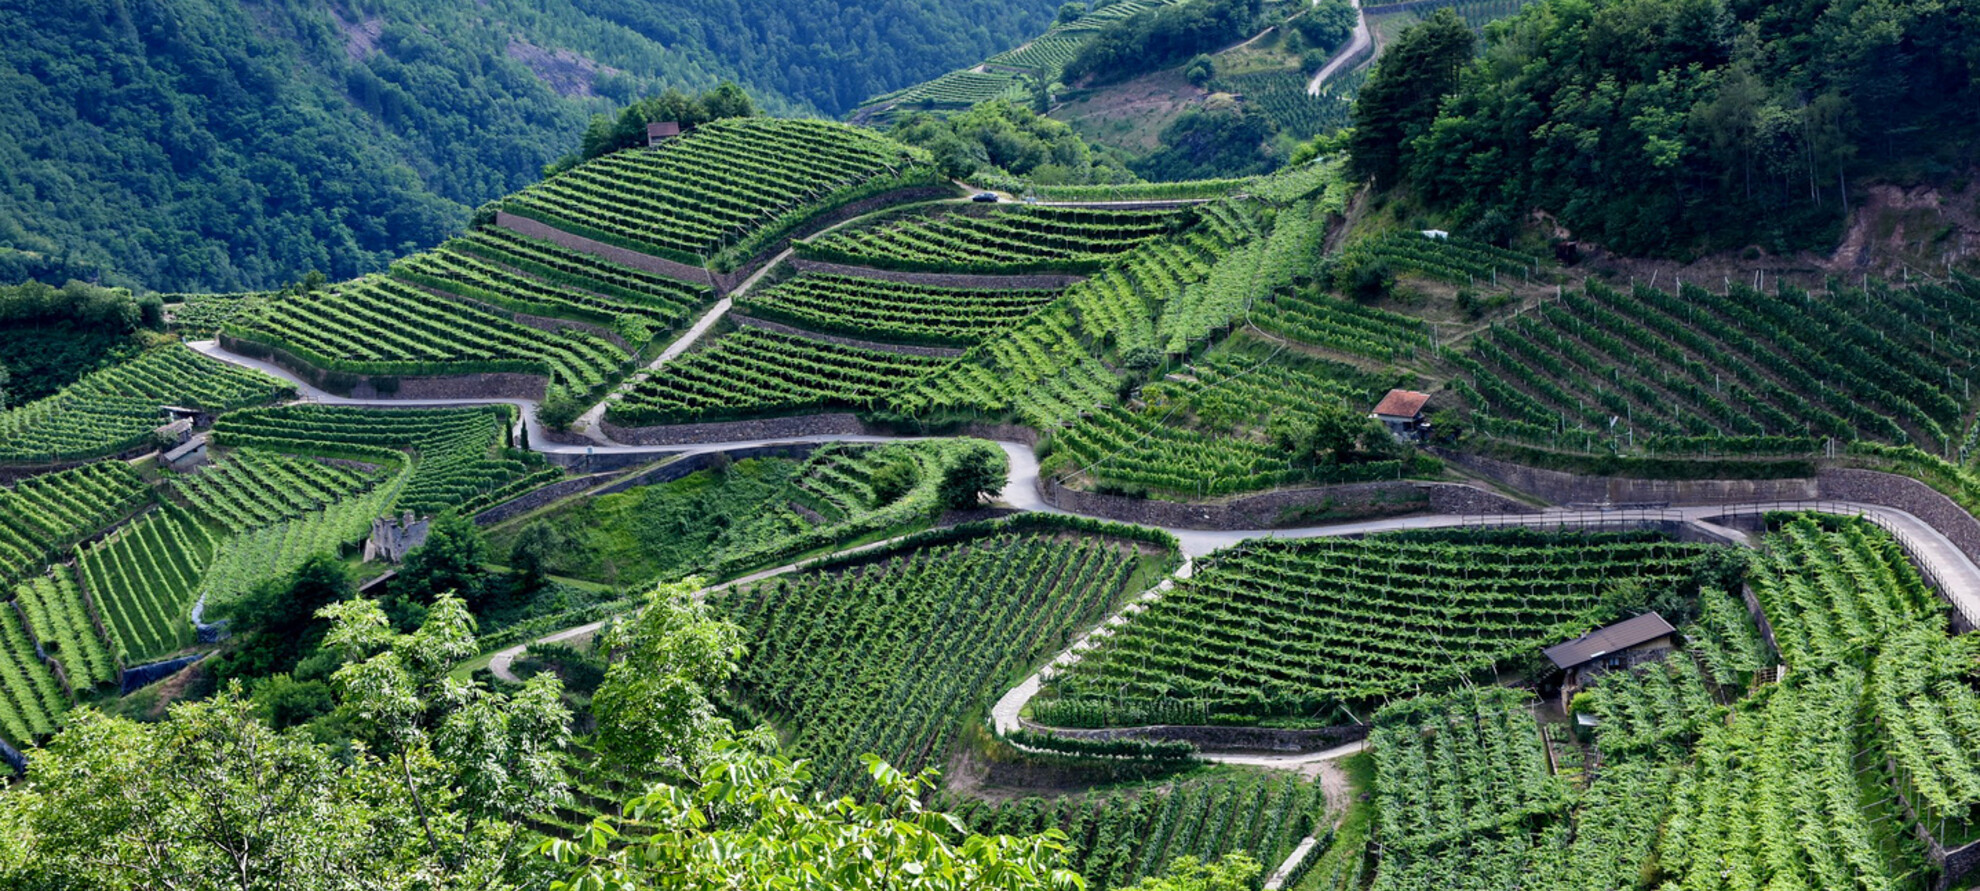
(1402, 404)
(186, 448)
(663, 128)
(1603, 641)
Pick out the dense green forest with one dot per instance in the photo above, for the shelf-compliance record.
(235, 144)
(1668, 126)
(1160, 37)
(51, 336)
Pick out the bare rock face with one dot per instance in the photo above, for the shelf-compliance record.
(565, 71)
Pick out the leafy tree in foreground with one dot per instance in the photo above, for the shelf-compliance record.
(748, 825)
(1236, 871)
(430, 797)
(450, 560)
(653, 707)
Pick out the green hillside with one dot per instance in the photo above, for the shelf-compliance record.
(237, 144)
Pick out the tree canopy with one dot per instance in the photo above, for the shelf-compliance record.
(1672, 126)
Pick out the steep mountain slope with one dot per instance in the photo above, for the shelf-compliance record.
(227, 144)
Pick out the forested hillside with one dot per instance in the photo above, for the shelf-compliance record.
(231, 144)
(1666, 126)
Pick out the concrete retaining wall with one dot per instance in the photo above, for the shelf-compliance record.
(780, 328)
(1212, 738)
(835, 424)
(1049, 282)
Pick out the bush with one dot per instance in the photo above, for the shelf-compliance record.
(893, 481)
(973, 473)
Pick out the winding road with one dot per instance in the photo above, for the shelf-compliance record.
(1957, 573)
(1358, 43)
(1958, 577)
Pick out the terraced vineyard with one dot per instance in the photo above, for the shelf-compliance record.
(1030, 239)
(250, 558)
(592, 276)
(1117, 840)
(1045, 55)
(60, 620)
(117, 408)
(1281, 96)
(1739, 372)
(30, 697)
(251, 488)
(1041, 371)
(1317, 628)
(1789, 786)
(1210, 428)
(1342, 326)
(1453, 259)
(1046, 370)
(1460, 781)
(200, 315)
(142, 579)
(961, 89)
(42, 516)
(896, 312)
(893, 656)
(387, 327)
(753, 372)
(461, 267)
(462, 456)
(723, 191)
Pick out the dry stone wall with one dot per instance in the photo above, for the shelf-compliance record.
(775, 327)
(834, 424)
(488, 385)
(1051, 282)
(1559, 487)
(1908, 495)
(1214, 738)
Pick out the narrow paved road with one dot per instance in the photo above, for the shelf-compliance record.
(1355, 45)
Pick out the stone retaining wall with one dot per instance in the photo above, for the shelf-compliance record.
(486, 385)
(14, 473)
(1559, 487)
(834, 424)
(831, 218)
(1285, 507)
(693, 275)
(531, 500)
(1461, 498)
(1215, 738)
(139, 677)
(699, 461)
(1908, 495)
(779, 328)
(540, 323)
(1052, 282)
(603, 461)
